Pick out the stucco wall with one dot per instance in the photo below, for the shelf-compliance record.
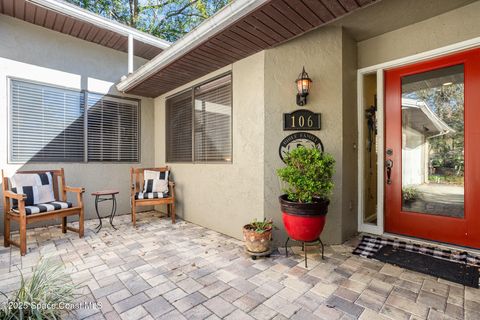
(33, 53)
(224, 197)
(329, 57)
(349, 128)
(442, 30)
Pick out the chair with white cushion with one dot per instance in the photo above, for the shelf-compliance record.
(151, 187)
(31, 196)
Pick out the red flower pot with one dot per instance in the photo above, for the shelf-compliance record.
(304, 221)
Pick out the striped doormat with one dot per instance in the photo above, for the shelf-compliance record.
(369, 245)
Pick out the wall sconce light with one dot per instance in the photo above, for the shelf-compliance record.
(303, 87)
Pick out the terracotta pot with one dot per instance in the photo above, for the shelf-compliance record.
(304, 221)
(255, 241)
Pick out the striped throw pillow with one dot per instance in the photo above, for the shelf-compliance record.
(38, 187)
(155, 181)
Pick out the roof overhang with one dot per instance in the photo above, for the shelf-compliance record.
(424, 120)
(196, 37)
(72, 20)
(241, 29)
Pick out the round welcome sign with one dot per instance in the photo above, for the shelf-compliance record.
(298, 139)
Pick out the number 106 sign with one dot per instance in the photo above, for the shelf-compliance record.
(302, 120)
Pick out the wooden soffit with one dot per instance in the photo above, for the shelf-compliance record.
(78, 28)
(275, 22)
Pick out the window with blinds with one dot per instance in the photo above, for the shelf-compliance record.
(50, 124)
(113, 133)
(47, 123)
(199, 123)
(179, 128)
(213, 121)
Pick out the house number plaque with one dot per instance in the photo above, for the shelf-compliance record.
(302, 119)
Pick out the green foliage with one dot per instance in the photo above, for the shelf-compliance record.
(48, 286)
(261, 226)
(308, 174)
(409, 193)
(166, 19)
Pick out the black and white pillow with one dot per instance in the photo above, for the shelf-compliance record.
(155, 181)
(38, 187)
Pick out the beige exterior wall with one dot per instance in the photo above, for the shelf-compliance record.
(329, 57)
(442, 30)
(224, 197)
(37, 54)
(350, 134)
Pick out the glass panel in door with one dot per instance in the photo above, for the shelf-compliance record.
(433, 142)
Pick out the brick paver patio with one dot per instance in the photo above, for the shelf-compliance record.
(184, 271)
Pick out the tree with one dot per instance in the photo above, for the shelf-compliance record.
(166, 19)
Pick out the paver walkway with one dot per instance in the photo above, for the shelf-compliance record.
(165, 271)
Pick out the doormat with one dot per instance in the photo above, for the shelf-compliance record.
(369, 246)
(452, 271)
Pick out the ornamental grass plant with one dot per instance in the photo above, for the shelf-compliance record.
(47, 294)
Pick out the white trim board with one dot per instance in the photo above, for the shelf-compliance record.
(379, 69)
(426, 55)
(362, 226)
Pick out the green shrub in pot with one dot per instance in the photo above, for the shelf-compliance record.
(308, 175)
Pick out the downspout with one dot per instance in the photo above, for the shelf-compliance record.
(130, 54)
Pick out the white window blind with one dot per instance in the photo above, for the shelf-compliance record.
(208, 136)
(113, 130)
(179, 128)
(213, 116)
(47, 123)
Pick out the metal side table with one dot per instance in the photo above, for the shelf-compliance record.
(105, 195)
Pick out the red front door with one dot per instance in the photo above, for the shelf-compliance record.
(432, 145)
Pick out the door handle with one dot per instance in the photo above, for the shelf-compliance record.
(389, 166)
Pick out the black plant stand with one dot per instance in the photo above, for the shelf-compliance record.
(105, 195)
(304, 244)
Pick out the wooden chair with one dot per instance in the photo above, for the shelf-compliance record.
(19, 215)
(137, 184)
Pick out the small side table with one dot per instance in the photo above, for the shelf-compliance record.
(105, 195)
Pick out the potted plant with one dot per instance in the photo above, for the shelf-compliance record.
(308, 178)
(257, 235)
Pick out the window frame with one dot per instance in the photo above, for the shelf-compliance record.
(85, 94)
(192, 92)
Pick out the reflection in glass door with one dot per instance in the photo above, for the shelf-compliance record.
(433, 142)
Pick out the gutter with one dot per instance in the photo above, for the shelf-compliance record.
(207, 29)
(104, 23)
(438, 123)
(441, 125)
